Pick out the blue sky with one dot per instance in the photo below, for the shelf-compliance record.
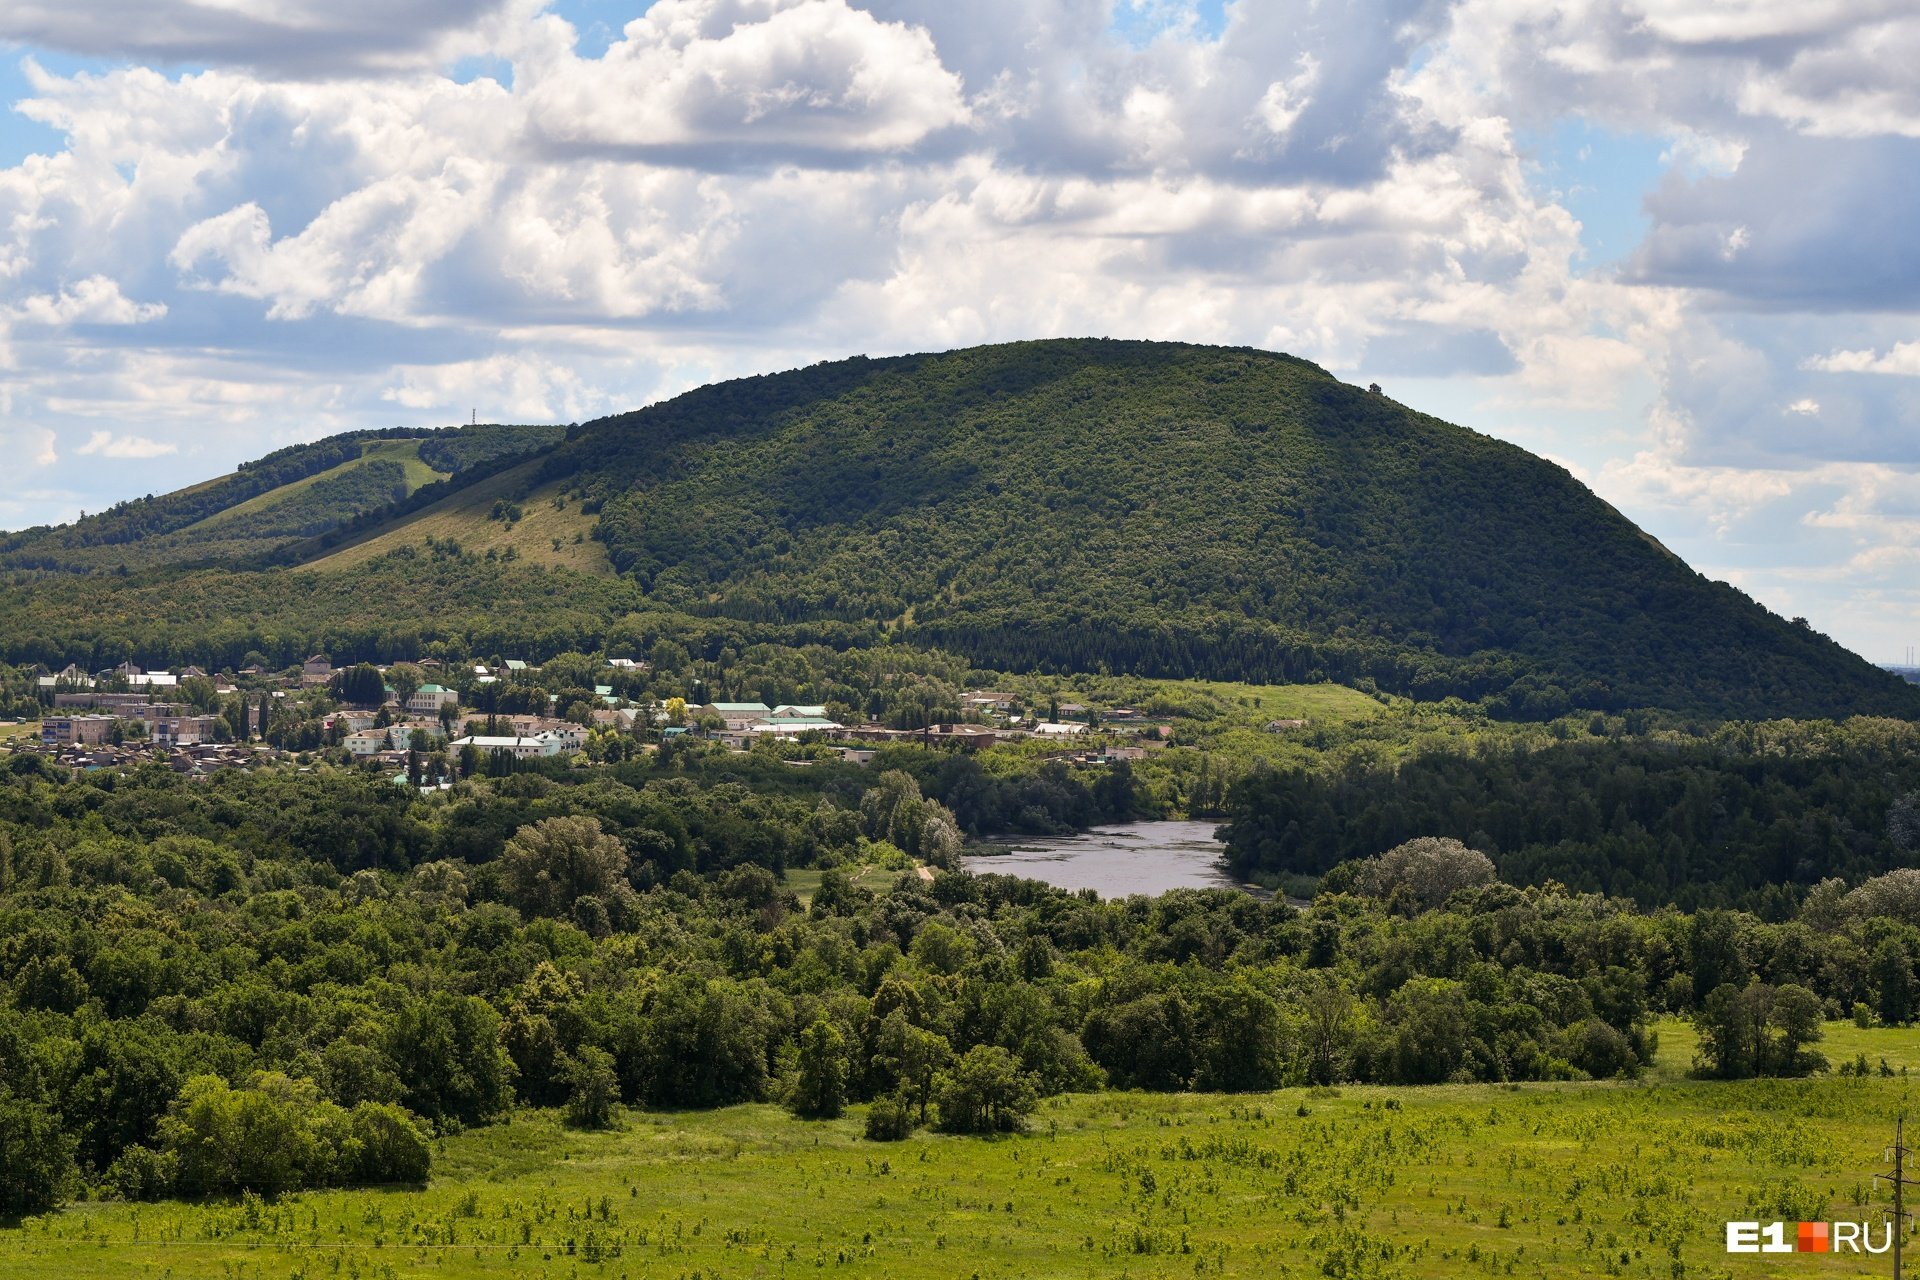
(1602, 178)
(1666, 244)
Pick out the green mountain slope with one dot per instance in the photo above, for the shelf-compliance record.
(1180, 510)
(274, 504)
(1072, 505)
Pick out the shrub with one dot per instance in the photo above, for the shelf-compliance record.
(593, 1088)
(388, 1145)
(276, 1134)
(890, 1119)
(141, 1173)
(1430, 870)
(820, 1092)
(986, 1092)
(36, 1157)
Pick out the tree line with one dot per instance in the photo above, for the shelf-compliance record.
(336, 968)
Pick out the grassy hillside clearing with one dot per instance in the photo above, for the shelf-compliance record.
(1602, 1179)
(404, 452)
(467, 518)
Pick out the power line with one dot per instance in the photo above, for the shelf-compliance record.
(1897, 1177)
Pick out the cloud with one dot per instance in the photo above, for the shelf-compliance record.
(104, 444)
(110, 446)
(38, 445)
(1752, 235)
(319, 227)
(95, 300)
(697, 81)
(286, 37)
(1903, 358)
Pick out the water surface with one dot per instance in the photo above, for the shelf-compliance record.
(1135, 857)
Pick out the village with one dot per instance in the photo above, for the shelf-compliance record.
(431, 722)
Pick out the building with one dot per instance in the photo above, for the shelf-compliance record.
(429, 698)
(782, 727)
(122, 702)
(427, 735)
(396, 737)
(517, 747)
(735, 715)
(515, 666)
(972, 737)
(68, 731)
(366, 742)
(1054, 729)
(981, 700)
(570, 736)
(798, 713)
(355, 721)
(172, 725)
(316, 670)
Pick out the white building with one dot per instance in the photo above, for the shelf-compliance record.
(429, 698)
(519, 748)
(570, 736)
(366, 742)
(736, 715)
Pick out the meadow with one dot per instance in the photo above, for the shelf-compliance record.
(1545, 1180)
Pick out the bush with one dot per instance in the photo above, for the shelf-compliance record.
(276, 1134)
(986, 1092)
(387, 1145)
(1599, 1050)
(890, 1119)
(36, 1157)
(141, 1173)
(1430, 870)
(593, 1087)
(820, 1092)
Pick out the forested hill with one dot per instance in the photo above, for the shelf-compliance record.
(1081, 505)
(1176, 510)
(278, 502)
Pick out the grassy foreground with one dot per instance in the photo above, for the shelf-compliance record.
(1535, 1180)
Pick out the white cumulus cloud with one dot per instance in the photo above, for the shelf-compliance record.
(105, 444)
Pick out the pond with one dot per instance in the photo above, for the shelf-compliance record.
(1135, 857)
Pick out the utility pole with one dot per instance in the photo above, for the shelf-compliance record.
(1897, 1156)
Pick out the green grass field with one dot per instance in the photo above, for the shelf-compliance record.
(1547, 1181)
(404, 452)
(1310, 702)
(804, 882)
(464, 517)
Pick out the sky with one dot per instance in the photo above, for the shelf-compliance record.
(1667, 243)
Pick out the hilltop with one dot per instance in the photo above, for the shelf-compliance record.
(1157, 508)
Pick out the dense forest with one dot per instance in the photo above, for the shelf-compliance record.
(1176, 510)
(278, 979)
(1740, 816)
(1074, 506)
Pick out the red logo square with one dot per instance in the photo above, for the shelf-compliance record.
(1813, 1237)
